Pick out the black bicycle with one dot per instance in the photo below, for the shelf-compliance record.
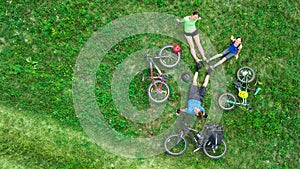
(210, 140)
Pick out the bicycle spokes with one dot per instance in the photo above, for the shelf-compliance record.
(215, 151)
(227, 101)
(158, 91)
(175, 144)
(245, 74)
(168, 57)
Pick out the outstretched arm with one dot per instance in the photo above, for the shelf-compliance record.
(180, 110)
(237, 55)
(232, 38)
(179, 20)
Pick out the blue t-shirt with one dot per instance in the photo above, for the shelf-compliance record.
(233, 49)
(192, 103)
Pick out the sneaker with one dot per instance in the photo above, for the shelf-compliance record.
(197, 149)
(198, 65)
(178, 112)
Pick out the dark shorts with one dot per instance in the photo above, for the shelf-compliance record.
(196, 93)
(192, 34)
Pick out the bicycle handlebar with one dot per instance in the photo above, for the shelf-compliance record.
(257, 91)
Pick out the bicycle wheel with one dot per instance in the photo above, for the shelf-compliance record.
(167, 57)
(157, 94)
(215, 151)
(175, 144)
(245, 74)
(227, 101)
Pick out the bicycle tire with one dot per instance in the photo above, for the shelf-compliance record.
(175, 144)
(222, 101)
(167, 57)
(161, 96)
(213, 151)
(243, 71)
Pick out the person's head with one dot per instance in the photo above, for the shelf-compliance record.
(239, 40)
(198, 112)
(195, 15)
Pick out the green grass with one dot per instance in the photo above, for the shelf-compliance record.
(39, 45)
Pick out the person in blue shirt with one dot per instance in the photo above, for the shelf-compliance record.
(233, 50)
(196, 96)
(195, 100)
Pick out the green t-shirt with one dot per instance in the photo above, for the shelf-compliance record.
(189, 25)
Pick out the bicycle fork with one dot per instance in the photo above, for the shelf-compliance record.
(152, 75)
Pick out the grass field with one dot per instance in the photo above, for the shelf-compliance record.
(40, 43)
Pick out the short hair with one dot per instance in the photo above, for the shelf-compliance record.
(200, 114)
(195, 13)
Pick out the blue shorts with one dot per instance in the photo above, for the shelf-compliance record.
(228, 54)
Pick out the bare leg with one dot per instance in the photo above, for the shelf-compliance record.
(191, 44)
(206, 80)
(215, 57)
(193, 52)
(220, 62)
(200, 48)
(195, 79)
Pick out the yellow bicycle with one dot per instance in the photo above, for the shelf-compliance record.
(245, 75)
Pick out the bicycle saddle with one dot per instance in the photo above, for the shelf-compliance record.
(164, 77)
(143, 78)
(237, 85)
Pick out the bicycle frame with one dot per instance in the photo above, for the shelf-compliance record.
(185, 129)
(244, 100)
(153, 77)
(246, 88)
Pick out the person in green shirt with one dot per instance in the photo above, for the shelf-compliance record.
(191, 34)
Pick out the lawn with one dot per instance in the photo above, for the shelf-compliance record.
(49, 48)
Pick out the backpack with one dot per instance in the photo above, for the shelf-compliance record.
(216, 136)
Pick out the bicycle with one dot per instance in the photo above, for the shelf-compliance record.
(176, 144)
(245, 75)
(158, 90)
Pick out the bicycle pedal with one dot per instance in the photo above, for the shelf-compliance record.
(197, 149)
(143, 78)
